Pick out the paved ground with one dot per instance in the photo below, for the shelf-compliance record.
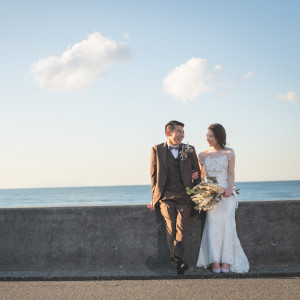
(250, 288)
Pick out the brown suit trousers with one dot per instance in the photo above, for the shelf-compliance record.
(176, 213)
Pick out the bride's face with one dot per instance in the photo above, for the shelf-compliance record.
(211, 140)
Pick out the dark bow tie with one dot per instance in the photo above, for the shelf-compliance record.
(173, 147)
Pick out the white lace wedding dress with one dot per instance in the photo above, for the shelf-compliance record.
(220, 242)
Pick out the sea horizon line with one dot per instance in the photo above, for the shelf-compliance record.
(128, 185)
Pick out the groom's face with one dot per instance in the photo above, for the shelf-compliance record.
(175, 137)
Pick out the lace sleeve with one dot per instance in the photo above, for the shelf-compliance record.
(230, 153)
(201, 157)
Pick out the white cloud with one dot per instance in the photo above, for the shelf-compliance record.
(290, 96)
(80, 64)
(248, 75)
(190, 80)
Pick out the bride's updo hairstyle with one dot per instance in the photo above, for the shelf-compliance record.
(219, 133)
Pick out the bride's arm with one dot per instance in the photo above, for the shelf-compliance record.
(201, 162)
(202, 169)
(231, 176)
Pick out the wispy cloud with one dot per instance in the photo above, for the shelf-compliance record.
(290, 96)
(80, 64)
(248, 75)
(194, 78)
(190, 80)
(236, 82)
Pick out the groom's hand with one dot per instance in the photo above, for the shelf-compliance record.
(151, 206)
(194, 175)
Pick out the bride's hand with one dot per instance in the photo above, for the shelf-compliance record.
(228, 192)
(151, 206)
(194, 175)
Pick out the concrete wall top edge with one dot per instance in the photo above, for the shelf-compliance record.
(262, 202)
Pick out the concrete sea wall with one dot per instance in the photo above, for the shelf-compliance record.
(133, 238)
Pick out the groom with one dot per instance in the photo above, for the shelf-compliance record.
(171, 167)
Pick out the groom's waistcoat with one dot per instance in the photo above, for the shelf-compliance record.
(174, 185)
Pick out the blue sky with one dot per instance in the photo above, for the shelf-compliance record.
(87, 87)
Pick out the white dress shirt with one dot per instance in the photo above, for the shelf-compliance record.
(174, 151)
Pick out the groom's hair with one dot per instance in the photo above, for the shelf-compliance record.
(171, 125)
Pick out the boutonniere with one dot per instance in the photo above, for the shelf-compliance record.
(186, 150)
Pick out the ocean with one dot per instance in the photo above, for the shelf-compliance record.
(133, 194)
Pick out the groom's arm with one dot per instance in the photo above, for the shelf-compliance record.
(153, 169)
(153, 175)
(195, 167)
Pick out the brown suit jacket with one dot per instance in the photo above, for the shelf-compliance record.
(159, 169)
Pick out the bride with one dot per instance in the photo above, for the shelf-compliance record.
(220, 245)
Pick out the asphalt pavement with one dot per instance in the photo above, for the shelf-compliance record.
(231, 288)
